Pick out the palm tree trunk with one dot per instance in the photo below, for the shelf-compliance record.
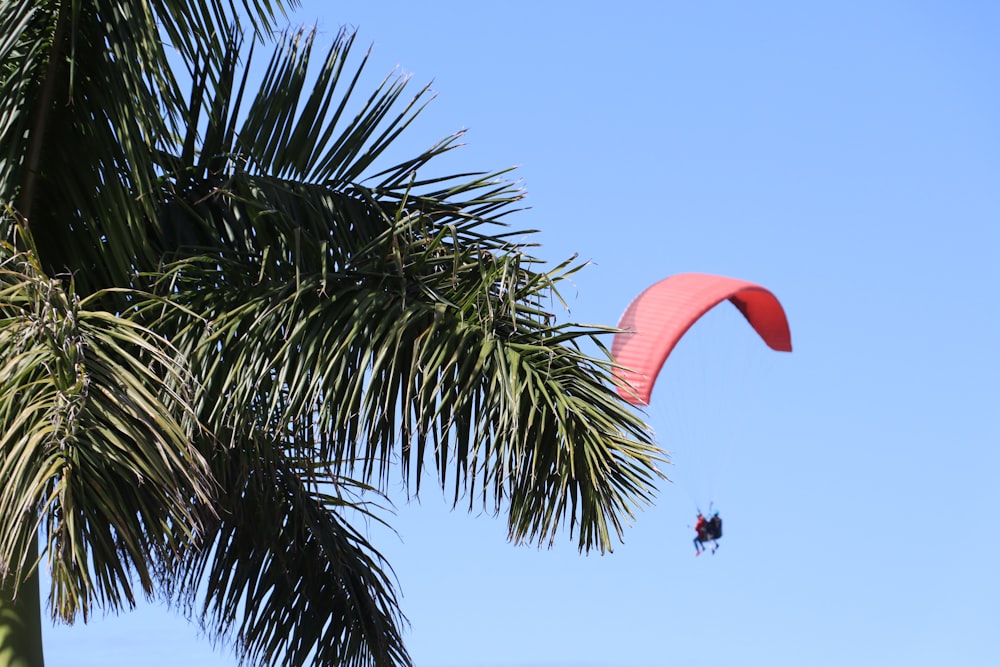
(21, 622)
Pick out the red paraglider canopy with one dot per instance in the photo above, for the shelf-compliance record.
(655, 321)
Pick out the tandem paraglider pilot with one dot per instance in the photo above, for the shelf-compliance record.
(708, 532)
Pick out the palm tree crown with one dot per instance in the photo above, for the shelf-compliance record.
(224, 328)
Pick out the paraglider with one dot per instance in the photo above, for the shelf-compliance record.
(657, 319)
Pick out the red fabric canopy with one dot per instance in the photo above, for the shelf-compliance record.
(657, 318)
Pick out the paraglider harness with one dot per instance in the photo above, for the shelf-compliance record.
(709, 531)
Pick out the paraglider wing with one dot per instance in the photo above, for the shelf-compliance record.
(655, 321)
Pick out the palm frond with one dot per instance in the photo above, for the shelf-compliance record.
(431, 344)
(286, 575)
(402, 319)
(95, 451)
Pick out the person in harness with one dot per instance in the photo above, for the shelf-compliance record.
(701, 534)
(714, 530)
(708, 531)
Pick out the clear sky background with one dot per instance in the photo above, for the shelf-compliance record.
(847, 156)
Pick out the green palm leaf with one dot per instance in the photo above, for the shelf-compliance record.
(95, 450)
(288, 577)
(358, 309)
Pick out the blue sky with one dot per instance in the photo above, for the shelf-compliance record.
(845, 155)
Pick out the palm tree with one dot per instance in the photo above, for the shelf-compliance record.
(225, 330)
